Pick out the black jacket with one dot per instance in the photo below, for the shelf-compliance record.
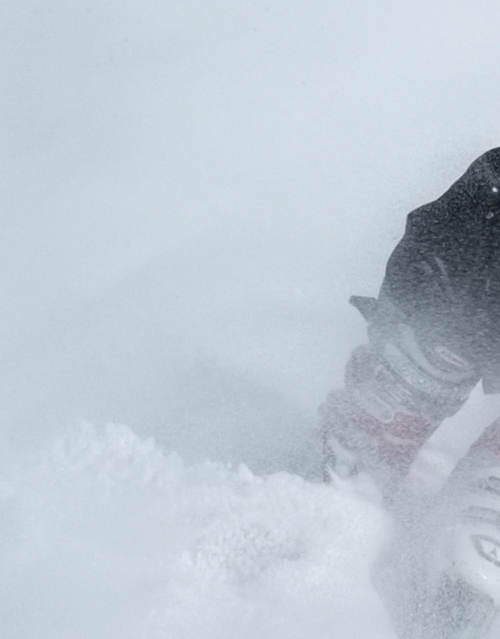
(444, 275)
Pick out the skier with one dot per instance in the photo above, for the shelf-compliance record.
(433, 334)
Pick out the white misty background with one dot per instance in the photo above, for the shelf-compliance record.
(190, 192)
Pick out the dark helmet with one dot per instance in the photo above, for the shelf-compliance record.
(480, 184)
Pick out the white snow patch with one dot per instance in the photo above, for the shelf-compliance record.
(105, 536)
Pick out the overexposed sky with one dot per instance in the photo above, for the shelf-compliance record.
(190, 191)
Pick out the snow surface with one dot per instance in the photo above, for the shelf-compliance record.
(105, 536)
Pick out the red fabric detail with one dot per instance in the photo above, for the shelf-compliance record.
(397, 441)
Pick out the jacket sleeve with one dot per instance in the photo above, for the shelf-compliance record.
(444, 276)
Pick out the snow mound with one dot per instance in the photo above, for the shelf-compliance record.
(105, 536)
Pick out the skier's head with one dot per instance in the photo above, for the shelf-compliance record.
(481, 181)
